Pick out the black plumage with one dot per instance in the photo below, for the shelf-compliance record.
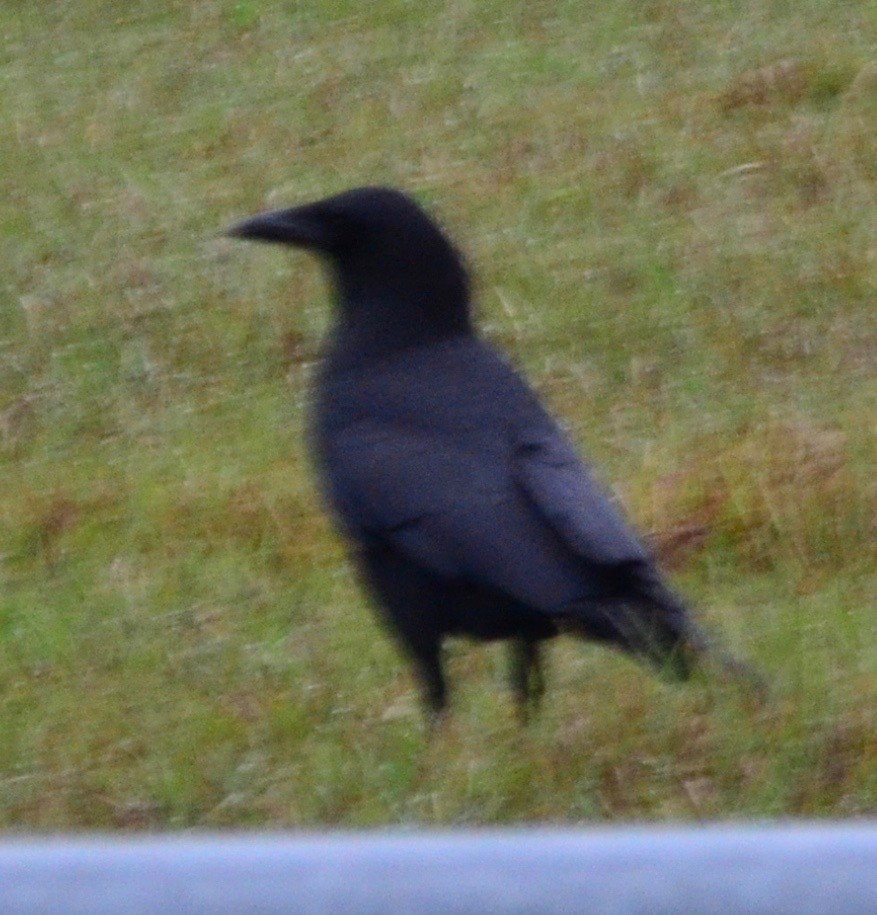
(468, 510)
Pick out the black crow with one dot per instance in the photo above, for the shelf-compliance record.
(468, 510)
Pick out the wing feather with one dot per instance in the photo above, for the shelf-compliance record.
(563, 490)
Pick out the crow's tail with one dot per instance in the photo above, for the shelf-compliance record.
(699, 647)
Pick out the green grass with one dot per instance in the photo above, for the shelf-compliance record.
(670, 209)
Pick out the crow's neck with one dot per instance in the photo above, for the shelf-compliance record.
(378, 324)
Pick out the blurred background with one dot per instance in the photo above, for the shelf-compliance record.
(670, 212)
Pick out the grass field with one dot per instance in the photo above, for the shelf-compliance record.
(671, 212)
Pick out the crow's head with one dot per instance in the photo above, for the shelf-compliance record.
(384, 252)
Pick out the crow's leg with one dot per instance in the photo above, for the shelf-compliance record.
(410, 601)
(422, 644)
(427, 660)
(527, 678)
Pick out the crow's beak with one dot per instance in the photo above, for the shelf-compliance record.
(291, 227)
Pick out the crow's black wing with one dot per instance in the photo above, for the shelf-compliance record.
(455, 510)
(563, 491)
(393, 484)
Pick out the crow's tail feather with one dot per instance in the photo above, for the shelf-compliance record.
(653, 623)
(703, 647)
